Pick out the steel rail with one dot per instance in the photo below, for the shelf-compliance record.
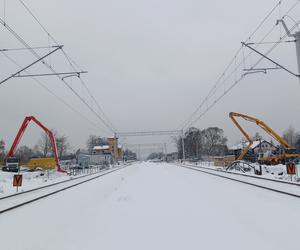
(244, 182)
(50, 185)
(58, 191)
(246, 175)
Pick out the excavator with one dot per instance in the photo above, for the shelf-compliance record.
(284, 155)
(12, 163)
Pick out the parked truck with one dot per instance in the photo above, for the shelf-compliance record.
(11, 164)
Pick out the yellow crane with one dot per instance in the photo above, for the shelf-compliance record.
(289, 151)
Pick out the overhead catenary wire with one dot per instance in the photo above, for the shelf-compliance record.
(95, 125)
(22, 41)
(4, 10)
(237, 81)
(210, 93)
(39, 47)
(237, 66)
(72, 63)
(224, 77)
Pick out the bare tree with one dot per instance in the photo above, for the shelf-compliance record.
(155, 155)
(256, 137)
(63, 145)
(45, 145)
(193, 142)
(93, 141)
(178, 141)
(2, 149)
(197, 143)
(215, 141)
(24, 153)
(290, 135)
(297, 143)
(37, 151)
(129, 155)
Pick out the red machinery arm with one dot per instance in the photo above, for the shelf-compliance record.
(47, 131)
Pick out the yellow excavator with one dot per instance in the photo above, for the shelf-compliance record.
(288, 153)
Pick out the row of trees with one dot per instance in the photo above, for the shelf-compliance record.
(42, 149)
(292, 137)
(155, 155)
(199, 143)
(213, 142)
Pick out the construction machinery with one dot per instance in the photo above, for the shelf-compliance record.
(39, 162)
(285, 154)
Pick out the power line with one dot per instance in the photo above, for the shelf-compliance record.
(221, 80)
(52, 93)
(72, 63)
(149, 133)
(239, 80)
(21, 40)
(213, 89)
(40, 47)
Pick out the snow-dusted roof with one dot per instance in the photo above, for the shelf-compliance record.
(101, 147)
(104, 147)
(243, 145)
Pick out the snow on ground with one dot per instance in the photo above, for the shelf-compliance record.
(36, 179)
(30, 180)
(155, 206)
(272, 172)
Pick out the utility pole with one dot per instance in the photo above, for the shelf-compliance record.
(183, 147)
(166, 153)
(139, 149)
(297, 40)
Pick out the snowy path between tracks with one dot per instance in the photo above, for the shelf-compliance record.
(156, 206)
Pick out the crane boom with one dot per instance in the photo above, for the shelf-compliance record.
(262, 125)
(48, 133)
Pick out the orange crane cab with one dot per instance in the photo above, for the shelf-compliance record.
(21, 131)
(288, 153)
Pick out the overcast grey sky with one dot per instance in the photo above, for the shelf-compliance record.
(150, 65)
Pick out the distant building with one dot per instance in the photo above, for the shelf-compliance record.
(109, 149)
(259, 146)
(83, 160)
(112, 141)
(101, 149)
(100, 159)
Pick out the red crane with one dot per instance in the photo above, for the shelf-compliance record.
(48, 133)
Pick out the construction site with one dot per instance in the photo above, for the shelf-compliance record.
(181, 128)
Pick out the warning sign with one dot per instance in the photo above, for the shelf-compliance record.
(17, 180)
(291, 168)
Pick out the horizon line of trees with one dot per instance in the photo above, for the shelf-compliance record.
(212, 141)
(198, 143)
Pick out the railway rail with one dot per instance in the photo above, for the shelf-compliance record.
(278, 186)
(11, 202)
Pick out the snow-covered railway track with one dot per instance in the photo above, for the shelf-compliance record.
(278, 186)
(12, 202)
